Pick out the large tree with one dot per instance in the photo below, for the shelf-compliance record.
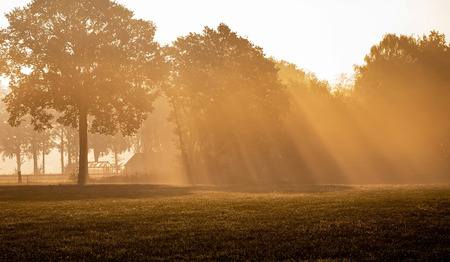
(405, 86)
(87, 58)
(227, 101)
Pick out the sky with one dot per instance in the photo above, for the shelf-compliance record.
(326, 37)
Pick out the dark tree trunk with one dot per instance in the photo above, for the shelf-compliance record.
(69, 153)
(61, 148)
(96, 155)
(77, 154)
(19, 164)
(43, 157)
(35, 158)
(116, 161)
(183, 149)
(83, 175)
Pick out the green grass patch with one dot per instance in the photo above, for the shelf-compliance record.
(150, 222)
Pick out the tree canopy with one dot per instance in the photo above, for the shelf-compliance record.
(227, 98)
(405, 86)
(81, 58)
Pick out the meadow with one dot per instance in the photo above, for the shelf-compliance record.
(166, 223)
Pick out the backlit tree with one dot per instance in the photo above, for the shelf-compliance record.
(227, 101)
(87, 58)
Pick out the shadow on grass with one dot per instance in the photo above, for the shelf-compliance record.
(75, 192)
(280, 189)
(139, 191)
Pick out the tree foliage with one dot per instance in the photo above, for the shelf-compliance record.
(405, 86)
(14, 141)
(227, 99)
(81, 58)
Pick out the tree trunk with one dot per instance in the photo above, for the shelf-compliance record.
(43, 157)
(116, 161)
(61, 148)
(69, 153)
(96, 155)
(184, 153)
(19, 164)
(83, 174)
(77, 154)
(35, 158)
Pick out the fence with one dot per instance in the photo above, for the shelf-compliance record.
(46, 179)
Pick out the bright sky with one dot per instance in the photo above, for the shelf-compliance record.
(326, 37)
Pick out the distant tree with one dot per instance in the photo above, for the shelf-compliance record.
(119, 144)
(316, 115)
(47, 143)
(227, 99)
(407, 73)
(14, 141)
(71, 140)
(100, 145)
(40, 144)
(343, 86)
(34, 150)
(405, 82)
(300, 83)
(137, 140)
(60, 136)
(80, 58)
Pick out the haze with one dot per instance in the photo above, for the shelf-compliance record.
(315, 46)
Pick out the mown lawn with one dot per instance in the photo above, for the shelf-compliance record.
(149, 222)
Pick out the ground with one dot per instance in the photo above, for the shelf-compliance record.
(154, 222)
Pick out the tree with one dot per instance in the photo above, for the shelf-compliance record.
(100, 145)
(81, 58)
(40, 143)
(227, 102)
(119, 144)
(315, 118)
(60, 135)
(405, 86)
(47, 143)
(14, 141)
(404, 73)
(71, 141)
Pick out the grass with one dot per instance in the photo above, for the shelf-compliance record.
(149, 222)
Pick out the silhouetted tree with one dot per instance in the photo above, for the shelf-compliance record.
(100, 145)
(14, 141)
(405, 86)
(314, 119)
(80, 58)
(227, 100)
(60, 135)
(119, 144)
(47, 143)
(72, 140)
(40, 144)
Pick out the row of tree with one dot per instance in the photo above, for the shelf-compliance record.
(23, 142)
(238, 115)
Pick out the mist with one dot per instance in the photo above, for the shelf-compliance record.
(212, 108)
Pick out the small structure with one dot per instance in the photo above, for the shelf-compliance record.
(101, 167)
(138, 163)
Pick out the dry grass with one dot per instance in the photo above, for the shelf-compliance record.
(149, 222)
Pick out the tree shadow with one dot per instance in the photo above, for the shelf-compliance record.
(140, 191)
(276, 188)
(89, 192)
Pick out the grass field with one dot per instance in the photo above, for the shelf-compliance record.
(150, 222)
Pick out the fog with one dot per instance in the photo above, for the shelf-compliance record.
(212, 107)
